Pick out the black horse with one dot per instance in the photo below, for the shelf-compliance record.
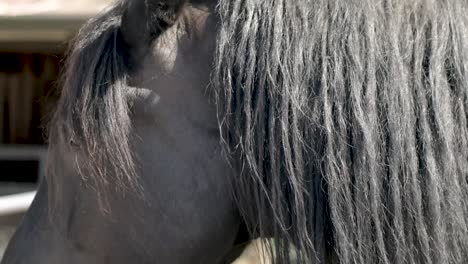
(338, 129)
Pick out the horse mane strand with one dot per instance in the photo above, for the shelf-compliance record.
(92, 117)
(350, 121)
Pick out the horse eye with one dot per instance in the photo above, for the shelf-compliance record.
(167, 13)
(162, 6)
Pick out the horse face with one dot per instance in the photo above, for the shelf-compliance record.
(183, 173)
(184, 213)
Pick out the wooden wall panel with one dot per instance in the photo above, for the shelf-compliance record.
(26, 96)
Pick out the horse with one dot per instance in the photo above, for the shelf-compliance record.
(336, 130)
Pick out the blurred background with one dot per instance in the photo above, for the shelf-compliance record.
(34, 35)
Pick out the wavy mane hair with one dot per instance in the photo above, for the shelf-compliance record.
(347, 121)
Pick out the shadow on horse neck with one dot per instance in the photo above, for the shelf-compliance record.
(336, 128)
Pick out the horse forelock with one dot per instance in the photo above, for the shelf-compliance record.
(91, 124)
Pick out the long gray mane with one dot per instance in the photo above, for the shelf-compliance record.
(351, 121)
(349, 118)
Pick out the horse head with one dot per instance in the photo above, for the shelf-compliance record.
(186, 128)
